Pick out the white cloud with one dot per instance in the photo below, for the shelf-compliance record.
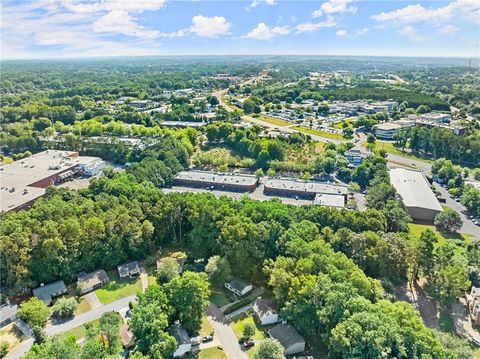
(314, 26)
(264, 32)
(119, 21)
(335, 6)
(469, 9)
(110, 5)
(255, 3)
(447, 29)
(209, 26)
(361, 32)
(341, 33)
(411, 33)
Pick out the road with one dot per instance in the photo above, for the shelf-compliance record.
(468, 226)
(224, 333)
(53, 329)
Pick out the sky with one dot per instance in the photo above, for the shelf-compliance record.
(92, 28)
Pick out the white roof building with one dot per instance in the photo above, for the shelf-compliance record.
(416, 194)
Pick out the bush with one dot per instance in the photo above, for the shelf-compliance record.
(34, 312)
(64, 307)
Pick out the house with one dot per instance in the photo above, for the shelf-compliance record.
(239, 287)
(46, 293)
(8, 313)
(288, 336)
(88, 282)
(266, 311)
(184, 344)
(126, 337)
(129, 270)
(475, 305)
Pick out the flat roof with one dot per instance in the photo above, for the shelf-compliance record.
(306, 186)
(388, 126)
(330, 200)
(21, 174)
(414, 189)
(219, 178)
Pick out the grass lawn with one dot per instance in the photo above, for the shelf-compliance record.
(390, 148)
(206, 328)
(212, 353)
(274, 121)
(219, 298)
(151, 279)
(238, 323)
(118, 288)
(11, 335)
(83, 306)
(477, 354)
(7, 160)
(319, 147)
(80, 331)
(325, 134)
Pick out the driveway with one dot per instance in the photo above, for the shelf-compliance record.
(225, 334)
(92, 300)
(144, 279)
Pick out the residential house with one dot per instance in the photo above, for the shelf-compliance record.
(265, 310)
(88, 282)
(46, 293)
(184, 344)
(129, 270)
(239, 287)
(288, 336)
(126, 337)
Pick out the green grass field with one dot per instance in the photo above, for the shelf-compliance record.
(390, 148)
(219, 298)
(238, 323)
(324, 134)
(80, 331)
(83, 306)
(206, 328)
(118, 288)
(212, 353)
(274, 121)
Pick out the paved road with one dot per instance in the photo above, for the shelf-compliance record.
(468, 226)
(53, 329)
(224, 333)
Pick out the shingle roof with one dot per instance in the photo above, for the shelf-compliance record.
(47, 292)
(179, 333)
(286, 334)
(238, 284)
(264, 307)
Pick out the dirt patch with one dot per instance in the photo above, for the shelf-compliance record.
(11, 335)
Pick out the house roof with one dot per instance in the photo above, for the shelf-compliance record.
(414, 189)
(263, 307)
(47, 292)
(89, 280)
(126, 268)
(126, 335)
(8, 312)
(239, 284)
(179, 333)
(286, 334)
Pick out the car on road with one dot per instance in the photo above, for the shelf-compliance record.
(196, 340)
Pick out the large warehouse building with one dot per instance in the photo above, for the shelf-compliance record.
(417, 196)
(24, 181)
(219, 181)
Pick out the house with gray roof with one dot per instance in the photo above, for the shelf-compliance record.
(129, 270)
(88, 282)
(8, 313)
(184, 344)
(288, 336)
(239, 287)
(265, 310)
(46, 293)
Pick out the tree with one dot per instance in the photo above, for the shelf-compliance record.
(188, 295)
(34, 312)
(149, 321)
(218, 270)
(56, 347)
(448, 221)
(64, 307)
(109, 332)
(167, 270)
(249, 330)
(269, 349)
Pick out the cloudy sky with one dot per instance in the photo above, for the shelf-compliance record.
(85, 28)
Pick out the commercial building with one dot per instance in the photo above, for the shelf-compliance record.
(24, 181)
(416, 194)
(355, 157)
(435, 117)
(329, 200)
(46, 293)
(288, 336)
(183, 124)
(388, 130)
(220, 181)
(302, 189)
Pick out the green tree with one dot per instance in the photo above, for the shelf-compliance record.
(448, 221)
(56, 347)
(249, 330)
(109, 332)
(167, 270)
(64, 307)
(218, 270)
(188, 295)
(269, 349)
(34, 312)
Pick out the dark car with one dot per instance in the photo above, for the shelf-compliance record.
(248, 344)
(207, 338)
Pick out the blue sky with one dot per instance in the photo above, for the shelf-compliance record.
(86, 28)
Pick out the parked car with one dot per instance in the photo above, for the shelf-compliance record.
(248, 344)
(196, 340)
(207, 338)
